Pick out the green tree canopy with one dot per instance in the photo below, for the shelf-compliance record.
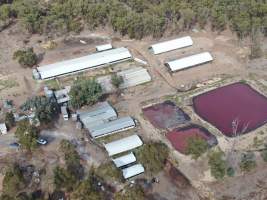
(27, 135)
(85, 92)
(217, 164)
(26, 58)
(116, 80)
(196, 146)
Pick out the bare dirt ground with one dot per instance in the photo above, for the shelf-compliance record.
(230, 60)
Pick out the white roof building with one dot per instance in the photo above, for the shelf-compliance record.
(92, 61)
(189, 61)
(104, 47)
(133, 171)
(171, 45)
(3, 128)
(111, 127)
(100, 114)
(122, 145)
(124, 160)
(62, 95)
(134, 76)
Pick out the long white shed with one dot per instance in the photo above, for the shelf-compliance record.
(122, 145)
(171, 45)
(91, 61)
(133, 171)
(189, 61)
(124, 160)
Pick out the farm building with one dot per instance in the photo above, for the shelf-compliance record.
(100, 114)
(131, 77)
(92, 61)
(62, 95)
(103, 47)
(124, 160)
(3, 128)
(171, 45)
(133, 171)
(111, 127)
(134, 76)
(190, 61)
(122, 145)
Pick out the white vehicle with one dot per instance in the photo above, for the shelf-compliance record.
(41, 141)
(65, 113)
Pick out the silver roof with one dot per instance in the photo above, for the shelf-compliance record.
(112, 127)
(133, 171)
(101, 113)
(124, 160)
(82, 63)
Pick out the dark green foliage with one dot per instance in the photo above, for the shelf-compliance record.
(46, 109)
(85, 92)
(248, 162)
(116, 80)
(69, 176)
(264, 154)
(138, 18)
(26, 58)
(131, 193)
(10, 120)
(152, 156)
(196, 146)
(217, 164)
(27, 135)
(87, 190)
(13, 182)
(230, 171)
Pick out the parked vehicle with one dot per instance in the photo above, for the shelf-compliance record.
(42, 141)
(14, 145)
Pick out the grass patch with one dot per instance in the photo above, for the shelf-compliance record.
(6, 84)
(52, 84)
(109, 171)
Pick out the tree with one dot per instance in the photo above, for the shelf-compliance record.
(10, 120)
(26, 58)
(64, 179)
(27, 135)
(85, 92)
(116, 80)
(46, 109)
(87, 190)
(248, 162)
(217, 164)
(196, 146)
(109, 171)
(131, 193)
(13, 181)
(153, 156)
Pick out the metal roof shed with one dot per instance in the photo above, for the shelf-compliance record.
(100, 114)
(92, 61)
(3, 128)
(189, 61)
(124, 160)
(171, 45)
(124, 144)
(104, 47)
(133, 171)
(134, 76)
(111, 127)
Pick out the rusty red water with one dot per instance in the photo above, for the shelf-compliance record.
(165, 115)
(179, 137)
(233, 107)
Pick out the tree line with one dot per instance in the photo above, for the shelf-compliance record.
(137, 18)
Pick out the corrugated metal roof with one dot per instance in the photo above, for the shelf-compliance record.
(171, 45)
(62, 95)
(100, 114)
(133, 171)
(104, 47)
(82, 63)
(124, 160)
(189, 61)
(122, 145)
(134, 76)
(114, 126)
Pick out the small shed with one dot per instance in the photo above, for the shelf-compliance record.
(103, 47)
(133, 171)
(124, 160)
(3, 128)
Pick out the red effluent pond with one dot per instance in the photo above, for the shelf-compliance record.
(179, 137)
(165, 115)
(235, 108)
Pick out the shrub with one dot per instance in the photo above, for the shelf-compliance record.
(230, 171)
(10, 120)
(116, 80)
(248, 162)
(264, 155)
(109, 171)
(26, 58)
(196, 146)
(217, 164)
